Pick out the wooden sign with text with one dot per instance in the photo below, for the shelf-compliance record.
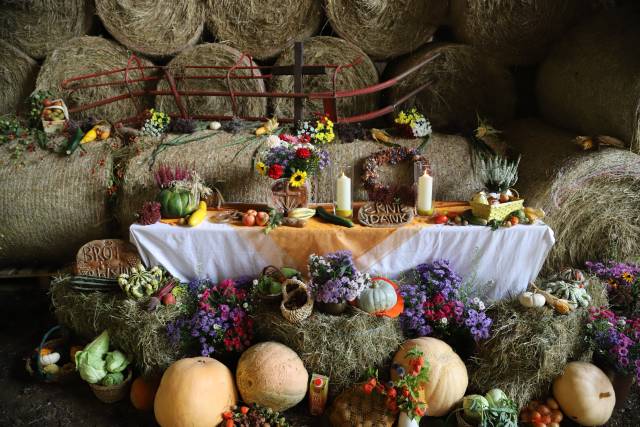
(106, 258)
(375, 214)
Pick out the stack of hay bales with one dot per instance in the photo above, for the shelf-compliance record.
(88, 55)
(386, 29)
(463, 83)
(213, 54)
(51, 204)
(263, 28)
(156, 28)
(529, 348)
(37, 27)
(329, 50)
(592, 199)
(17, 77)
(215, 158)
(515, 32)
(591, 80)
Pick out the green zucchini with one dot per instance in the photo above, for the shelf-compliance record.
(334, 219)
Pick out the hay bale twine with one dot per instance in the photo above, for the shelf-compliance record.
(87, 55)
(337, 346)
(18, 74)
(213, 158)
(463, 83)
(156, 28)
(516, 32)
(37, 27)
(329, 50)
(386, 29)
(212, 54)
(529, 348)
(263, 28)
(591, 80)
(592, 199)
(51, 204)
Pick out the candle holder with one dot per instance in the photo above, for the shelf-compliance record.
(425, 189)
(343, 189)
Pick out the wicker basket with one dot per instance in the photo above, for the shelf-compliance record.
(299, 314)
(274, 273)
(67, 371)
(355, 408)
(498, 212)
(113, 393)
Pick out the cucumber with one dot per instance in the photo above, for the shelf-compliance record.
(334, 219)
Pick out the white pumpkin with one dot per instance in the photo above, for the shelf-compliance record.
(49, 359)
(272, 375)
(531, 299)
(585, 394)
(380, 296)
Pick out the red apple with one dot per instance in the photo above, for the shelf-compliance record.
(252, 212)
(262, 218)
(441, 219)
(248, 219)
(169, 299)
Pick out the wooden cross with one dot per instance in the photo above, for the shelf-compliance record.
(298, 70)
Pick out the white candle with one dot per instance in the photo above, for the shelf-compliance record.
(425, 194)
(343, 193)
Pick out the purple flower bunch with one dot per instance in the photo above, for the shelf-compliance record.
(433, 305)
(616, 339)
(623, 283)
(335, 279)
(219, 320)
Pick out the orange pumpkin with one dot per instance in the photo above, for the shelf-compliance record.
(143, 392)
(194, 392)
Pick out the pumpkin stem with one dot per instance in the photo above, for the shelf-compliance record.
(605, 395)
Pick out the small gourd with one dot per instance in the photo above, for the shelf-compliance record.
(531, 299)
(380, 296)
(49, 358)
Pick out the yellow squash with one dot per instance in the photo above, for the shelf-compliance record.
(199, 215)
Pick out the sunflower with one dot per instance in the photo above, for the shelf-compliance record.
(627, 277)
(298, 179)
(261, 168)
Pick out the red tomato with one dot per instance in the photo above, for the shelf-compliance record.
(441, 219)
(546, 419)
(544, 410)
(514, 220)
(535, 416)
(262, 218)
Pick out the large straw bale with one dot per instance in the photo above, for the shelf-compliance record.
(18, 75)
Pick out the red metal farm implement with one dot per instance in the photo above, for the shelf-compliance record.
(144, 74)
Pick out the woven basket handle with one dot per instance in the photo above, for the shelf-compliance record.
(274, 272)
(299, 285)
(45, 338)
(514, 191)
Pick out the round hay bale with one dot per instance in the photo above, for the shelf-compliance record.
(18, 74)
(462, 85)
(153, 27)
(329, 50)
(592, 199)
(52, 204)
(591, 80)
(387, 28)
(263, 28)
(87, 55)
(138, 333)
(213, 158)
(212, 54)
(529, 348)
(341, 347)
(37, 27)
(515, 32)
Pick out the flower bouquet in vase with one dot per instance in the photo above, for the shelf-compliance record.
(403, 395)
(335, 281)
(291, 161)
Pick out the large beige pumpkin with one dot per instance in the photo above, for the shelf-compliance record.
(585, 394)
(272, 375)
(448, 378)
(194, 393)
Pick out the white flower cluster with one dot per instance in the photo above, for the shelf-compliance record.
(306, 128)
(421, 128)
(477, 304)
(150, 129)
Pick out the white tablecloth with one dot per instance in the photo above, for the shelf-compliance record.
(499, 263)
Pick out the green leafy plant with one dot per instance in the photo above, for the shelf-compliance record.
(35, 104)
